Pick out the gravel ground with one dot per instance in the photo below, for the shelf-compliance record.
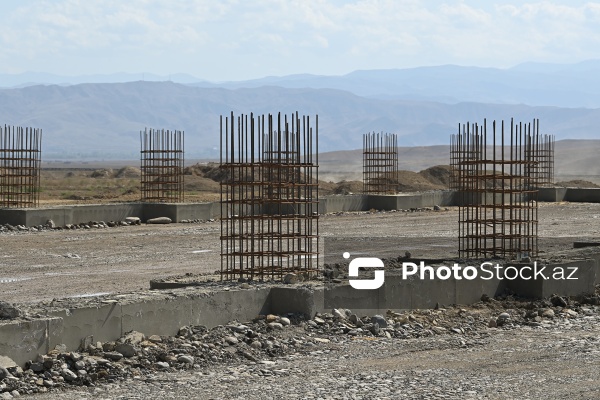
(557, 359)
(35, 265)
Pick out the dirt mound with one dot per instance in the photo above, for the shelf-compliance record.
(438, 175)
(348, 187)
(433, 178)
(102, 173)
(196, 183)
(409, 181)
(128, 172)
(578, 183)
(207, 170)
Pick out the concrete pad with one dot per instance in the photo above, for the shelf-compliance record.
(295, 299)
(159, 316)
(552, 194)
(541, 288)
(204, 211)
(103, 212)
(330, 204)
(444, 198)
(24, 340)
(426, 293)
(102, 322)
(218, 308)
(35, 216)
(583, 195)
(470, 291)
(157, 210)
(201, 211)
(359, 301)
(399, 293)
(55, 332)
(587, 271)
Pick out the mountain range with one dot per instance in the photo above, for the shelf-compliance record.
(422, 105)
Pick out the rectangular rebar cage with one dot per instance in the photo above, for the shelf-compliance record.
(20, 158)
(269, 198)
(543, 153)
(380, 163)
(161, 159)
(497, 176)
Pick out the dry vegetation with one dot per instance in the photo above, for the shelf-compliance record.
(75, 184)
(202, 183)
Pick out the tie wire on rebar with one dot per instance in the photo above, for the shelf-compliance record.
(269, 198)
(162, 166)
(20, 159)
(380, 163)
(498, 176)
(544, 154)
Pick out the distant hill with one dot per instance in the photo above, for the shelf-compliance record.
(41, 78)
(574, 159)
(538, 84)
(103, 120)
(535, 84)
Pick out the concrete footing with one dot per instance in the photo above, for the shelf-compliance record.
(164, 312)
(574, 195)
(77, 214)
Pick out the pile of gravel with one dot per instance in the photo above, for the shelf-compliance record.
(267, 338)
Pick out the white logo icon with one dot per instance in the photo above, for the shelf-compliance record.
(365, 262)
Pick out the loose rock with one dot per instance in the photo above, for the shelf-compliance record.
(159, 220)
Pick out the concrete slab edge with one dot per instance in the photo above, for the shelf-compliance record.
(165, 314)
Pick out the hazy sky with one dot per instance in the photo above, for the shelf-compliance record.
(240, 39)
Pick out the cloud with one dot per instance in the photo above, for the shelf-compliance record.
(234, 39)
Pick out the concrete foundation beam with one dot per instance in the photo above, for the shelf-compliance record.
(583, 195)
(552, 195)
(159, 313)
(24, 340)
(330, 204)
(566, 279)
(104, 323)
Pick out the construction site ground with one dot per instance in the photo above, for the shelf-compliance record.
(557, 358)
(43, 265)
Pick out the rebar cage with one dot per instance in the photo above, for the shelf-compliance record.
(498, 177)
(380, 163)
(162, 163)
(20, 158)
(544, 154)
(269, 196)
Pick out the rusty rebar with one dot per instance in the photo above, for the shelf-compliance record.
(380, 163)
(20, 158)
(498, 174)
(542, 151)
(162, 163)
(269, 197)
